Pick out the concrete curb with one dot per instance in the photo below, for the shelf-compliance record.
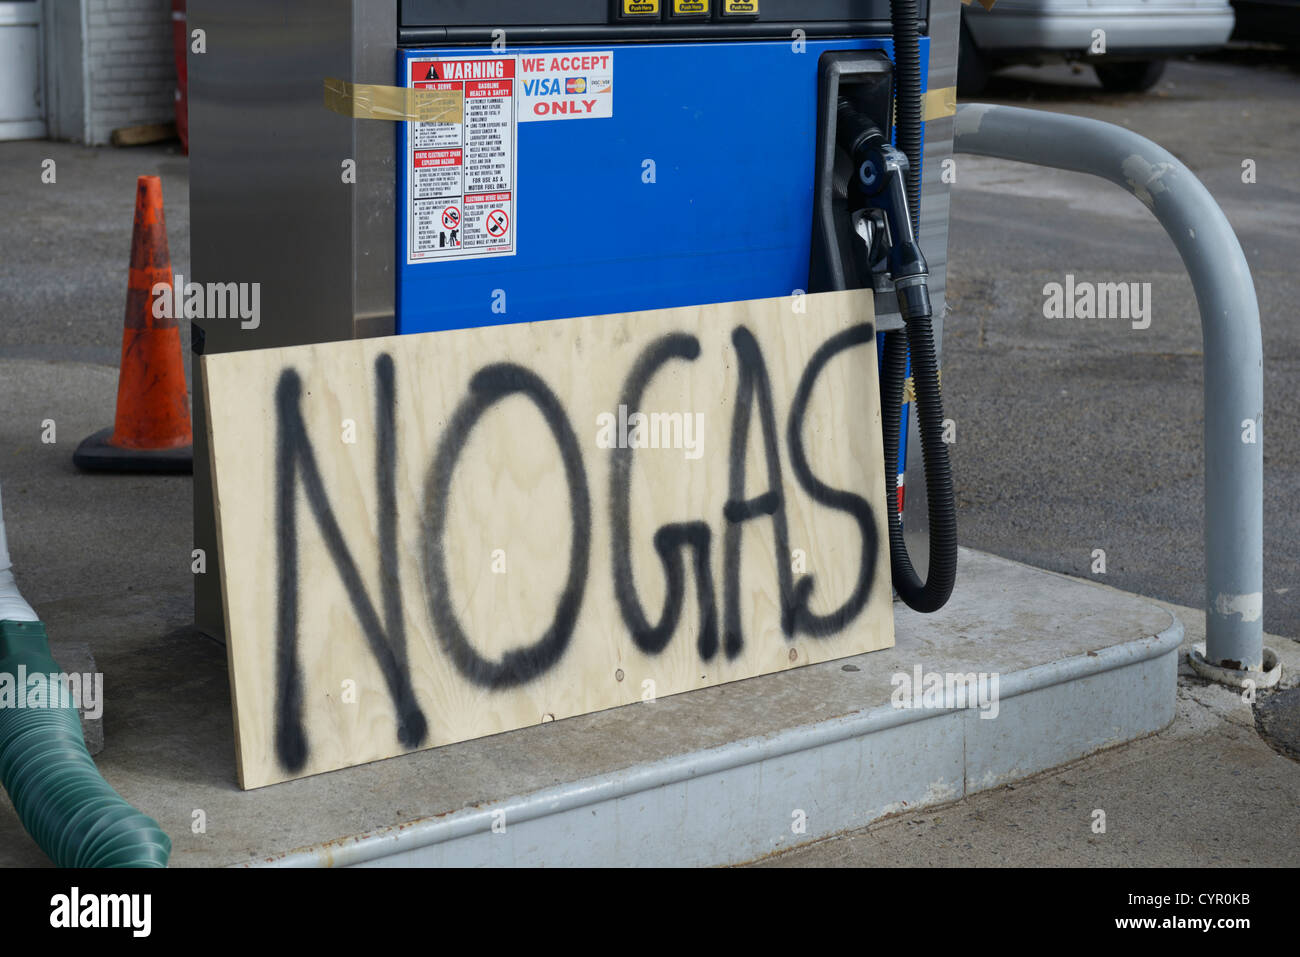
(745, 799)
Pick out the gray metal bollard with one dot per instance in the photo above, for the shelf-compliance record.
(1234, 357)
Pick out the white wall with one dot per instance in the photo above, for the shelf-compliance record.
(130, 72)
(108, 64)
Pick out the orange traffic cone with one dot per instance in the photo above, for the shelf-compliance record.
(151, 432)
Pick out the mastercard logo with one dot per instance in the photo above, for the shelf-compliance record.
(575, 84)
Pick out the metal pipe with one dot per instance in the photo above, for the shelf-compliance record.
(1234, 354)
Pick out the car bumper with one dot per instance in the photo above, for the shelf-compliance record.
(1166, 31)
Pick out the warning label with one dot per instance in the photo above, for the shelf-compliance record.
(463, 175)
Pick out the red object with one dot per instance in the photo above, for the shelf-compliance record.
(151, 431)
(180, 48)
(153, 410)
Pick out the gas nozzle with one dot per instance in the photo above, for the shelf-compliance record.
(882, 217)
(880, 183)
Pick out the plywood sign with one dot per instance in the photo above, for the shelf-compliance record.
(425, 539)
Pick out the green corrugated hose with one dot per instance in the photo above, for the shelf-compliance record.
(66, 805)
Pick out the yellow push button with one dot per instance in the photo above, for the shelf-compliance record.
(638, 9)
(739, 8)
(690, 8)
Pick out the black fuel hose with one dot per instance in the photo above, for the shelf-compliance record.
(933, 593)
(904, 22)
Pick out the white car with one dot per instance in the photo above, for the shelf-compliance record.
(1126, 41)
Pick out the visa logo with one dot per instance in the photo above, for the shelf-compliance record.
(545, 86)
(575, 84)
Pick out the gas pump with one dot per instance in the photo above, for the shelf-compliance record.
(493, 207)
(612, 156)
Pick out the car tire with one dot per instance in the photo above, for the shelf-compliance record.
(1134, 77)
(972, 66)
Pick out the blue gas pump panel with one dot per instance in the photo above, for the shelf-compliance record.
(582, 180)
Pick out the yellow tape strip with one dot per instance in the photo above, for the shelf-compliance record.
(909, 387)
(940, 103)
(936, 104)
(366, 101)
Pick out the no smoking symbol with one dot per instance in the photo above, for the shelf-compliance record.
(450, 217)
(497, 223)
